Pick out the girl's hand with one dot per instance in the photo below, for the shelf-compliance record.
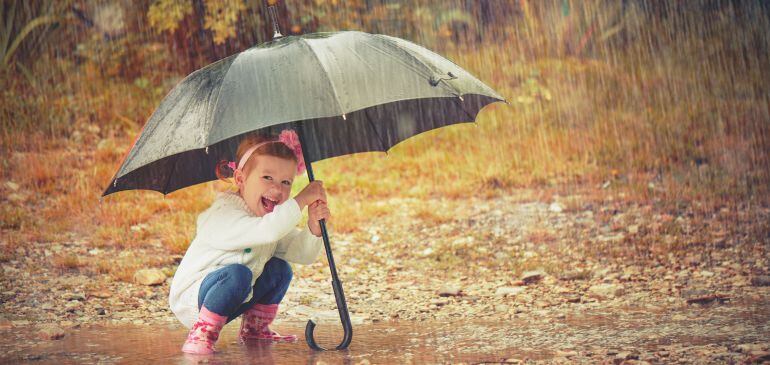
(310, 194)
(315, 212)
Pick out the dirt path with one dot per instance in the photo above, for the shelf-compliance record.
(506, 260)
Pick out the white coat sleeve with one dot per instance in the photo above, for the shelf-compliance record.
(228, 227)
(300, 247)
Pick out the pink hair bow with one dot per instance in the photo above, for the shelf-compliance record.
(290, 138)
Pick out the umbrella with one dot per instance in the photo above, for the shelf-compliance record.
(342, 92)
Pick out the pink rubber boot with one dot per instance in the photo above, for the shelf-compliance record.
(204, 333)
(255, 321)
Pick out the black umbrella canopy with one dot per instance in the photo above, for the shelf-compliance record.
(345, 92)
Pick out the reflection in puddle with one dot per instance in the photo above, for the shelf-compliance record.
(531, 337)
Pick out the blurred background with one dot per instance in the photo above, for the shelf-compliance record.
(655, 101)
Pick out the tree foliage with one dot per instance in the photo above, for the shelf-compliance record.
(165, 15)
(221, 16)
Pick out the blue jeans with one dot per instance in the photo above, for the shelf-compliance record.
(223, 290)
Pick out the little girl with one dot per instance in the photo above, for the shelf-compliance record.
(237, 263)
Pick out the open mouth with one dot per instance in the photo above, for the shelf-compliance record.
(268, 204)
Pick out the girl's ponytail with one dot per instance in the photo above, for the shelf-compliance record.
(223, 170)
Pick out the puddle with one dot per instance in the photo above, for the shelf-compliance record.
(390, 342)
(533, 337)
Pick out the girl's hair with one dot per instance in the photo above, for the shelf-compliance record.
(279, 149)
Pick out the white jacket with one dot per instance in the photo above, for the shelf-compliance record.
(228, 233)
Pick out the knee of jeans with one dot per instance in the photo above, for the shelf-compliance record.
(279, 268)
(241, 275)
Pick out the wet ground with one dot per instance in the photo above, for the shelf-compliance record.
(509, 280)
(728, 332)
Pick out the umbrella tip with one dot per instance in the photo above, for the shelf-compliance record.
(276, 30)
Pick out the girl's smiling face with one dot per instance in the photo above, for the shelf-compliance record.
(266, 183)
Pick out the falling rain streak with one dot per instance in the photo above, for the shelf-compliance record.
(628, 170)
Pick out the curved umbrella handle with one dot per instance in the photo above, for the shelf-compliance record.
(342, 308)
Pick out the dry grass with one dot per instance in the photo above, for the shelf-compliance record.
(432, 216)
(349, 215)
(643, 126)
(13, 217)
(66, 262)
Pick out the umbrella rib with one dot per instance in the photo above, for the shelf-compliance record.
(325, 73)
(214, 108)
(168, 181)
(219, 93)
(376, 132)
(462, 107)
